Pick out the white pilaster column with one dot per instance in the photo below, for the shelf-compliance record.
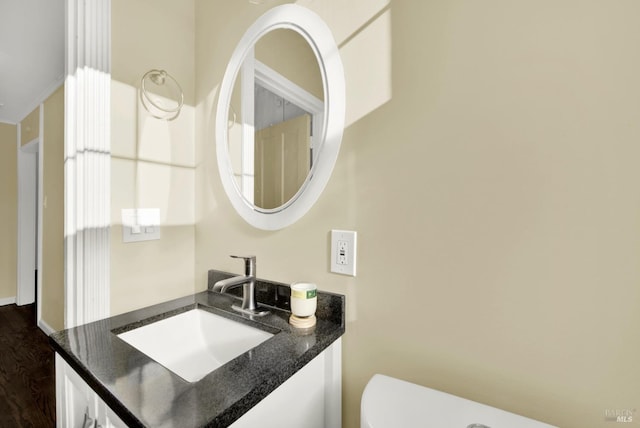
(87, 161)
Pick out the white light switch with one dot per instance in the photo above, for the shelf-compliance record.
(343, 252)
(141, 224)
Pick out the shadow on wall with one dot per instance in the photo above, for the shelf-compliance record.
(153, 160)
(152, 166)
(356, 29)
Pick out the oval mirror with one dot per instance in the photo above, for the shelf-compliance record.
(280, 117)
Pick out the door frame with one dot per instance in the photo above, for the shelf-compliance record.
(278, 84)
(30, 244)
(254, 71)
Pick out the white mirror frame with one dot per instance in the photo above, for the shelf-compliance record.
(319, 37)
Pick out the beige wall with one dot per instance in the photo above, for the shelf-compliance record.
(489, 165)
(30, 127)
(53, 211)
(152, 163)
(8, 210)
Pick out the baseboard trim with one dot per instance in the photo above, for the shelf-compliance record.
(7, 301)
(45, 327)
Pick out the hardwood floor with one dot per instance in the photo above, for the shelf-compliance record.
(27, 371)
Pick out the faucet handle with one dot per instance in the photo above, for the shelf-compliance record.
(249, 264)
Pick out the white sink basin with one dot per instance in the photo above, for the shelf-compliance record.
(194, 343)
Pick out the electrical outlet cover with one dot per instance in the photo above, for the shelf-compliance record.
(343, 252)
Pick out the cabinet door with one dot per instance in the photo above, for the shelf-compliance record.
(107, 417)
(75, 403)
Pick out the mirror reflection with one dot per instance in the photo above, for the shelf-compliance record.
(276, 118)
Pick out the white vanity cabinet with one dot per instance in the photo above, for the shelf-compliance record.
(311, 398)
(77, 405)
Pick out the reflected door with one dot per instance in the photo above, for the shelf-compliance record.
(282, 161)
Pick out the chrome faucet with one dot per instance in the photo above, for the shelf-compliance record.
(248, 282)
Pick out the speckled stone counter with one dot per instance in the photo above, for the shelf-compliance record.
(143, 393)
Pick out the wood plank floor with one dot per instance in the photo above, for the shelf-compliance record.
(27, 370)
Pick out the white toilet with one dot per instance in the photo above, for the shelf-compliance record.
(392, 403)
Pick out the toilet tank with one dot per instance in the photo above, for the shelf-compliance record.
(392, 403)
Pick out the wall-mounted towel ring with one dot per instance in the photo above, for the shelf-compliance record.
(161, 94)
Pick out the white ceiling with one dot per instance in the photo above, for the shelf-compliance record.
(31, 54)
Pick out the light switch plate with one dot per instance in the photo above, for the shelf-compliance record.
(140, 224)
(343, 252)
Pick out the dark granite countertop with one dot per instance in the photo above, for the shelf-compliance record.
(143, 393)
